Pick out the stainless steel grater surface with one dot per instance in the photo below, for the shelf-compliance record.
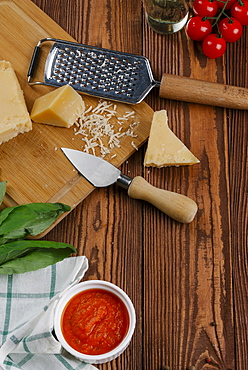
(123, 77)
(94, 71)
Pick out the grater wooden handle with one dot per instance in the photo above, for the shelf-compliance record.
(177, 206)
(203, 92)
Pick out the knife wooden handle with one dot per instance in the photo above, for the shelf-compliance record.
(203, 92)
(177, 206)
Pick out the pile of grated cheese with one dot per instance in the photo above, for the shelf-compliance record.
(103, 128)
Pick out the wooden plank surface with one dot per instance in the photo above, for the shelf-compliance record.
(188, 282)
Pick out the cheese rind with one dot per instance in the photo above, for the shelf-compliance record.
(164, 147)
(14, 116)
(61, 107)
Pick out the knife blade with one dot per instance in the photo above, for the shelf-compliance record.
(101, 173)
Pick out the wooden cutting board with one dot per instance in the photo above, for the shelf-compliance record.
(32, 163)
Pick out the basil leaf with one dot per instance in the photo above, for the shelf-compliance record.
(17, 223)
(29, 219)
(2, 190)
(19, 248)
(34, 260)
(8, 255)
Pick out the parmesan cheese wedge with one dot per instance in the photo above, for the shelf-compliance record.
(164, 148)
(60, 107)
(14, 116)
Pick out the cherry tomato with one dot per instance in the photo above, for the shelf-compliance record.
(228, 5)
(197, 28)
(213, 46)
(205, 8)
(230, 29)
(239, 11)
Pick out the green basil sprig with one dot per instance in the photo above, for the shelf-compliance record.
(19, 222)
(17, 254)
(29, 255)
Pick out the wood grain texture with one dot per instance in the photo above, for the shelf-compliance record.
(181, 278)
(36, 175)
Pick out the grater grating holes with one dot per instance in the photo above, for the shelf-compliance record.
(97, 72)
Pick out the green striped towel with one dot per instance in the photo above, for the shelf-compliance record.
(27, 304)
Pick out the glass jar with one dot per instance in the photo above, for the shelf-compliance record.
(166, 16)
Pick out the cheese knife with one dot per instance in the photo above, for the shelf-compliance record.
(101, 173)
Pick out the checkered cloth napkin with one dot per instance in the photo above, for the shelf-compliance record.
(27, 304)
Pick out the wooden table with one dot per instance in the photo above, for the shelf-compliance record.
(188, 283)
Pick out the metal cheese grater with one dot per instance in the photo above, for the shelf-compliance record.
(124, 77)
(95, 71)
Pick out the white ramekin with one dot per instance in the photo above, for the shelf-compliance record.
(95, 284)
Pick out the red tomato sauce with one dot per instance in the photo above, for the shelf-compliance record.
(94, 322)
